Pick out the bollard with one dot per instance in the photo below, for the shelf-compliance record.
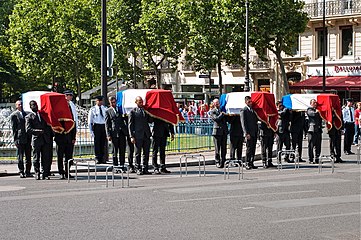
(327, 157)
(197, 156)
(229, 163)
(291, 153)
(76, 161)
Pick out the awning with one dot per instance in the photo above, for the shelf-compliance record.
(337, 83)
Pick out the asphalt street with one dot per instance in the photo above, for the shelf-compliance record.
(265, 204)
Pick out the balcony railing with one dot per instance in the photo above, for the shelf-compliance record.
(259, 64)
(332, 8)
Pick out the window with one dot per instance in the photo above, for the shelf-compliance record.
(346, 40)
(320, 41)
(347, 4)
(296, 47)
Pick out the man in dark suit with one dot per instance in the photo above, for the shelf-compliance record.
(140, 134)
(314, 132)
(116, 130)
(65, 142)
(22, 140)
(42, 140)
(219, 133)
(296, 129)
(250, 130)
(161, 131)
(267, 138)
(129, 146)
(236, 137)
(283, 132)
(334, 135)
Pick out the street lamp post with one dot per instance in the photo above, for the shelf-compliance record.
(324, 48)
(104, 52)
(246, 79)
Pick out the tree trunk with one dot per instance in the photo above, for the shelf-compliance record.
(283, 73)
(219, 69)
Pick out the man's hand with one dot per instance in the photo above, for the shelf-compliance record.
(73, 141)
(248, 136)
(109, 139)
(172, 137)
(132, 140)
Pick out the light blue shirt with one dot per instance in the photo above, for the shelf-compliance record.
(347, 116)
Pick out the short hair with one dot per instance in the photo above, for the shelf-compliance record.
(246, 98)
(313, 100)
(111, 98)
(32, 101)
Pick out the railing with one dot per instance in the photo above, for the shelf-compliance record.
(259, 64)
(193, 135)
(340, 7)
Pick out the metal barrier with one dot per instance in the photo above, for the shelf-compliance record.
(118, 168)
(80, 160)
(233, 163)
(328, 157)
(197, 156)
(358, 153)
(293, 153)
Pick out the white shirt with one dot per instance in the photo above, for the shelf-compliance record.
(94, 116)
(74, 112)
(346, 114)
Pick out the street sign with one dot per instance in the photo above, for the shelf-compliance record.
(203, 76)
(110, 55)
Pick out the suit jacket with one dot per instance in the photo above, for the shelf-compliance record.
(283, 123)
(41, 132)
(65, 138)
(297, 121)
(235, 129)
(138, 124)
(219, 122)
(18, 127)
(115, 124)
(249, 122)
(314, 120)
(162, 128)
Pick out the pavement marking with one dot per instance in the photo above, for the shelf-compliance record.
(247, 185)
(246, 208)
(307, 202)
(238, 196)
(317, 217)
(10, 188)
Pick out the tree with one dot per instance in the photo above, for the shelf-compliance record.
(57, 40)
(216, 34)
(276, 25)
(163, 33)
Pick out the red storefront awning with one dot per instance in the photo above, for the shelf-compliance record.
(337, 83)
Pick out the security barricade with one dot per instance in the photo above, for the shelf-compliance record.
(326, 157)
(197, 156)
(75, 161)
(117, 169)
(287, 152)
(233, 163)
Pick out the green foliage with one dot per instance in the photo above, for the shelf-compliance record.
(276, 25)
(56, 39)
(216, 32)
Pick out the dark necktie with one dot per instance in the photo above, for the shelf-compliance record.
(351, 115)
(101, 112)
(142, 112)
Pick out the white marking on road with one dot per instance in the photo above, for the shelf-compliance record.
(238, 196)
(317, 217)
(306, 202)
(247, 185)
(246, 208)
(10, 188)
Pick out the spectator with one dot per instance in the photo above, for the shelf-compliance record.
(357, 123)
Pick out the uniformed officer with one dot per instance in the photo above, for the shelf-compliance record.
(348, 114)
(96, 123)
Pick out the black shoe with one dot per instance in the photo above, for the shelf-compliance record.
(301, 160)
(310, 162)
(146, 172)
(156, 171)
(139, 172)
(339, 160)
(132, 170)
(248, 167)
(254, 167)
(164, 170)
(62, 176)
(22, 175)
(350, 153)
(29, 175)
(270, 164)
(45, 177)
(317, 161)
(289, 160)
(219, 165)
